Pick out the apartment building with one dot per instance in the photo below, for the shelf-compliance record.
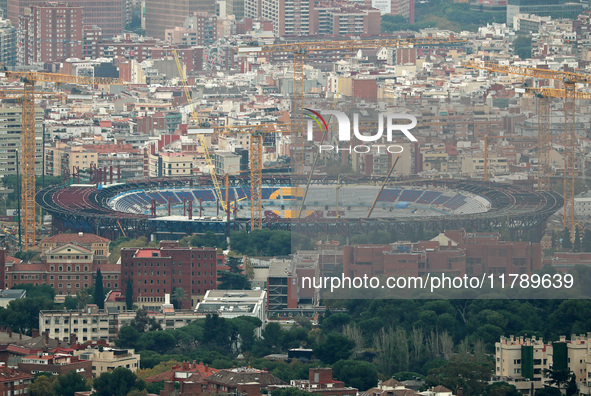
(523, 361)
(57, 364)
(108, 359)
(11, 125)
(162, 15)
(109, 15)
(93, 324)
(50, 32)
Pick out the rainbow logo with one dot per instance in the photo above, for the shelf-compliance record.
(317, 118)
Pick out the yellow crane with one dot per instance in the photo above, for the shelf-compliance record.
(569, 93)
(299, 51)
(544, 95)
(29, 80)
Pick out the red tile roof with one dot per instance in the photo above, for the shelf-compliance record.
(8, 374)
(68, 238)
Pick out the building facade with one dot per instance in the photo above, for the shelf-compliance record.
(109, 15)
(162, 15)
(109, 359)
(154, 272)
(50, 32)
(10, 139)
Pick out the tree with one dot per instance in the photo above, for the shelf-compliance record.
(289, 392)
(234, 264)
(559, 378)
(565, 239)
(333, 348)
(471, 376)
(99, 291)
(43, 386)
(356, 374)
(501, 389)
(118, 382)
(555, 240)
(522, 47)
(572, 388)
(71, 383)
(129, 295)
(548, 391)
(142, 322)
(127, 337)
(586, 246)
(577, 243)
(178, 296)
(233, 281)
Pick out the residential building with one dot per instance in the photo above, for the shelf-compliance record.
(184, 372)
(320, 381)
(8, 41)
(50, 32)
(92, 38)
(155, 272)
(14, 382)
(93, 324)
(65, 158)
(162, 15)
(226, 162)
(108, 359)
(289, 17)
(10, 139)
(205, 25)
(241, 380)
(167, 164)
(109, 15)
(351, 19)
(57, 364)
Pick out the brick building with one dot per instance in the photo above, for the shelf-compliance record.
(14, 382)
(57, 364)
(109, 15)
(320, 381)
(50, 32)
(68, 267)
(455, 253)
(155, 272)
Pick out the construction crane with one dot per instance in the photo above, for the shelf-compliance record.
(299, 51)
(544, 95)
(29, 80)
(570, 80)
(200, 136)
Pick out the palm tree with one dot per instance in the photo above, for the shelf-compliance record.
(179, 295)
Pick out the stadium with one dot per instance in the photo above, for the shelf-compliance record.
(332, 206)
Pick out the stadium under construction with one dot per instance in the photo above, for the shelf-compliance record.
(170, 208)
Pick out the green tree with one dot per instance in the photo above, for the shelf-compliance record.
(179, 296)
(356, 374)
(71, 383)
(127, 337)
(233, 281)
(548, 391)
(99, 291)
(234, 263)
(522, 46)
(333, 347)
(577, 243)
(142, 322)
(586, 245)
(118, 382)
(572, 388)
(43, 385)
(471, 376)
(565, 239)
(129, 295)
(501, 389)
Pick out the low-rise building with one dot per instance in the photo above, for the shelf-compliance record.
(235, 303)
(57, 364)
(107, 359)
(14, 382)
